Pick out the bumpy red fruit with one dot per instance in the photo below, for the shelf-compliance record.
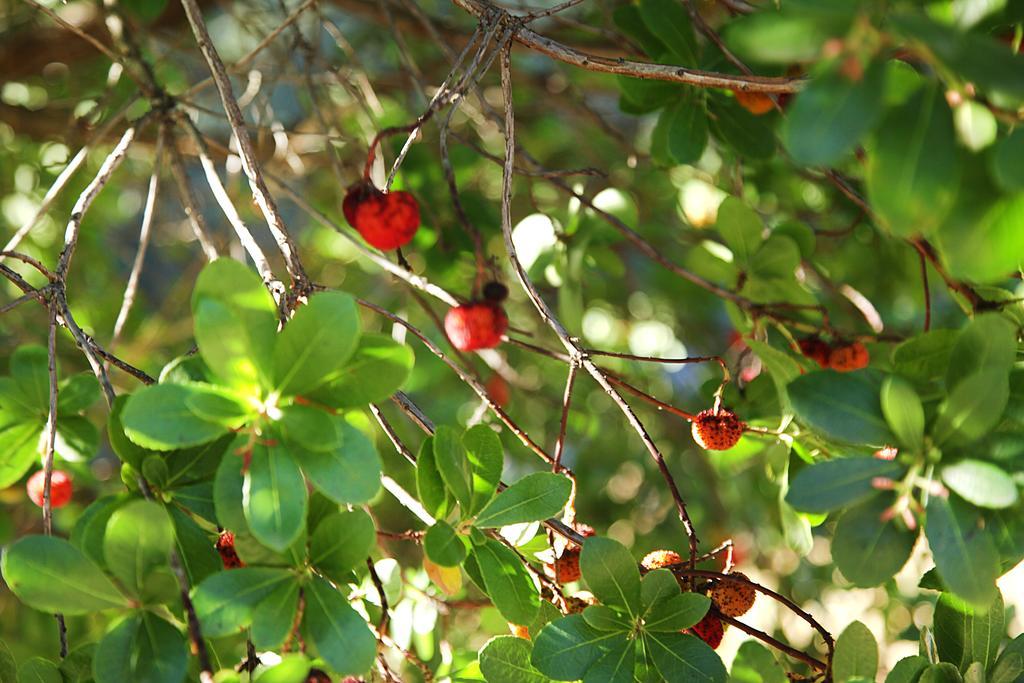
(567, 566)
(386, 221)
(226, 549)
(754, 102)
(656, 559)
(849, 357)
(60, 488)
(717, 431)
(710, 630)
(733, 598)
(476, 325)
(815, 349)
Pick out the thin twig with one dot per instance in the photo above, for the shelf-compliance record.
(51, 441)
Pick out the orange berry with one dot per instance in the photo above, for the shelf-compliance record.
(476, 325)
(756, 103)
(815, 349)
(656, 559)
(710, 630)
(60, 488)
(717, 431)
(849, 357)
(519, 631)
(733, 598)
(567, 566)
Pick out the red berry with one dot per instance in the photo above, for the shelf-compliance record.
(717, 431)
(755, 102)
(497, 389)
(710, 630)
(476, 325)
(495, 291)
(733, 598)
(226, 548)
(849, 357)
(60, 488)
(815, 349)
(567, 566)
(386, 221)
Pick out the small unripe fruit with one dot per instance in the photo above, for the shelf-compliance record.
(733, 598)
(226, 549)
(476, 325)
(519, 631)
(710, 630)
(385, 220)
(717, 431)
(567, 566)
(60, 488)
(815, 349)
(755, 102)
(849, 357)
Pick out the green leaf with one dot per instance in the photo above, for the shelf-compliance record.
(195, 547)
(925, 356)
(91, 527)
(536, 496)
(342, 541)
(76, 667)
(1004, 161)
(964, 634)
(274, 615)
(866, 549)
(748, 135)
(682, 131)
(486, 457)
(142, 647)
(138, 541)
(973, 407)
(506, 659)
(225, 601)
(235, 323)
(790, 32)
(227, 489)
(914, 166)
(611, 574)
(629, 20)
(942, 672)
(453, 465)
(77, 392)
(195, 465)
(38, 670)
(309, 428)
(845, 407)
(755, 664)
(293, 668)
(30, 371)
(508, 584)
(567, 647)
(964, 554)
(19, 449)
(993, 245)
(677, 613)
(981, 483)
(274, 497)
(987, 343)
(316, 343)
(605, 618)
(349, 475)
(670, 23)
(684, 658)
(834, 484)
(856, 654)
(656, 587)
(51, 575)
(829, 117)
(429, 484)
(903, 411)
(8, 667)
(220, 406)
(615, 666)
(377, 369)
(741, 228)
(443, 546)
(1008, 668)
(907, 670)
(778, 257)
(158, 417)
(336, 630)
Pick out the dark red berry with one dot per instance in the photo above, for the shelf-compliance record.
(386, 221)
(226, 549)
(496, 292)
(60, 488)
(476, 325)
(815, 349)
(710, 630)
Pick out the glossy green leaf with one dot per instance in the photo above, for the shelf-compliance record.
(376, 370)
(77, 392)
(868, 550)
(981, 483)
(274, 616)
(856, 654)
(293, 668)
(964, 553)
(755, 664)
(348, 475)
(907, 670)
(195, 547)
(158, 417)
(611, 573)
(973, 407)
(508, 584)
(684, 658)
(486, 458)
(677, 613)
(1004, 161)
(138, 541)
(453, 465)
(987, 343)
(342, 541)
(832, 114)
(225, 601)
(913, 166)
(615, 666)
(309, 428)
(943, 672)
(536, 496)
(964, 634)
(835, 484)
(656, 587)
(845, 407)
(903, 411)
(741, 228)
(567, 647)
(429, 484)
(316, 343)
(19, 449)
(994, 244)
(506, 659)
(274, 498)
(670, 23)
(925, 356)
(51, 575)
(38, 670)
(336, 630)
(443, 546)
(604, 618)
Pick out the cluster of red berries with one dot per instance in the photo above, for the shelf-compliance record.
(717, 430)
(478, 324)
(842, 356)
(60, 488)
(386, 220)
